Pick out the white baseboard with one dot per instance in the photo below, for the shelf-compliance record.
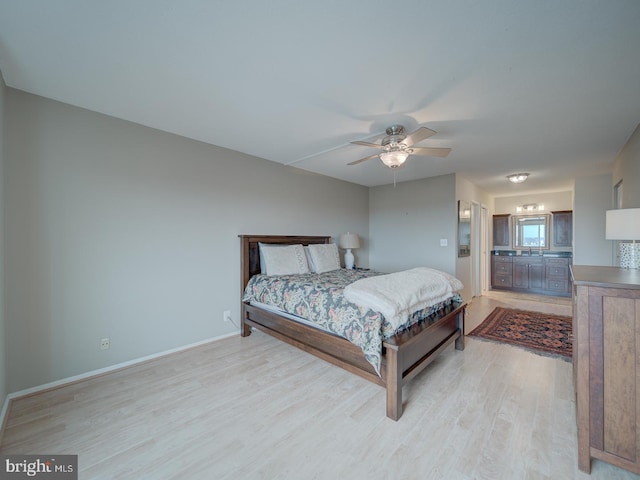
(101, 371)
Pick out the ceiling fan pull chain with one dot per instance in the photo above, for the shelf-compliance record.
(394, 178)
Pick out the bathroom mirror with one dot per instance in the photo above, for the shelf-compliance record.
(531, 231)
(464, 228)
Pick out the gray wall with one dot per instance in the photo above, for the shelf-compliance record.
(118, 230)
(627, 169)
(406, 224)
(3, 338)
(592, 198)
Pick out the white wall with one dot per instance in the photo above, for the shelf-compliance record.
(593, 197)
(406, 224)
(3, 338)
(118, 230)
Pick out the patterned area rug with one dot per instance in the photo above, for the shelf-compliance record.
(541, 333)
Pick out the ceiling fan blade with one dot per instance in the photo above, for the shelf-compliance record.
(417, 136)
(431, 152)
(367, 144)
(370, 157)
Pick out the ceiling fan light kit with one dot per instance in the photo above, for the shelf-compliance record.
(396, 146)
(394, 158)
(518, 177)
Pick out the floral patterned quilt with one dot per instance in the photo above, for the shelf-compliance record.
(318, 298)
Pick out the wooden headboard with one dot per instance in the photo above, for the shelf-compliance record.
(250, 253)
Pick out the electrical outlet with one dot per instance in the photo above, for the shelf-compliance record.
(226, 315)
(105, 343)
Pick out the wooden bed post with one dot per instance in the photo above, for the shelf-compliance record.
(460, 340)
(394, 383)
(245, 330)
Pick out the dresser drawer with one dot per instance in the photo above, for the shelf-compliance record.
(501, 280)
(557, 261)
(502, 268)
(501, 259)
(554, 270)
(560, 285)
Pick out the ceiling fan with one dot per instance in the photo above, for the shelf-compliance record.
(397, 146)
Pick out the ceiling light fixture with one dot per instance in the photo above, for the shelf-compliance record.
(397, 146)
(395, 154)
(394, 159)
(518, 177)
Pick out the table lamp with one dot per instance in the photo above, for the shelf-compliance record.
(349, 241)
(624, 224)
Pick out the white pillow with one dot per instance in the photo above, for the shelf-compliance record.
(263, 266)
(325, 257)
(283, 260)
(312, 267)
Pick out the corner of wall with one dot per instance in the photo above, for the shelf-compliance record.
(3, 340)
(626, 169)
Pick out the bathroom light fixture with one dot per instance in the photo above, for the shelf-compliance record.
(530, 208)
(518, 177)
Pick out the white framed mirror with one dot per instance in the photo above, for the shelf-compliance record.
(464, 228)
(531, 231)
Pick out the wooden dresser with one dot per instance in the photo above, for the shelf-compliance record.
(606, 365)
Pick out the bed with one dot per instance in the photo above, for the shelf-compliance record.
(403, 355)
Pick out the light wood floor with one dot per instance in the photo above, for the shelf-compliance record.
(255, 408)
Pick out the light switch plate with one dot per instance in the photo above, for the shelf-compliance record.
(443, 242)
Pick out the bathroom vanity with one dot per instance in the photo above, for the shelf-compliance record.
(545, 272)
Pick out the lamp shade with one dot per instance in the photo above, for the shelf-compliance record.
(349, 240)
(623, 224)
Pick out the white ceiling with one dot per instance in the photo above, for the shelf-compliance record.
(550, 87)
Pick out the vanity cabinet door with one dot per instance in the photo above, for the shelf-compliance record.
(528, 273)
(520, 273)
(562, 228)
(536, 275)
(501, 230)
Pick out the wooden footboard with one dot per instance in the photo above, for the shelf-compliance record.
(403, 356)
(408, 353)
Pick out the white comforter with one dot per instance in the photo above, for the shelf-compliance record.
(397, 295)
